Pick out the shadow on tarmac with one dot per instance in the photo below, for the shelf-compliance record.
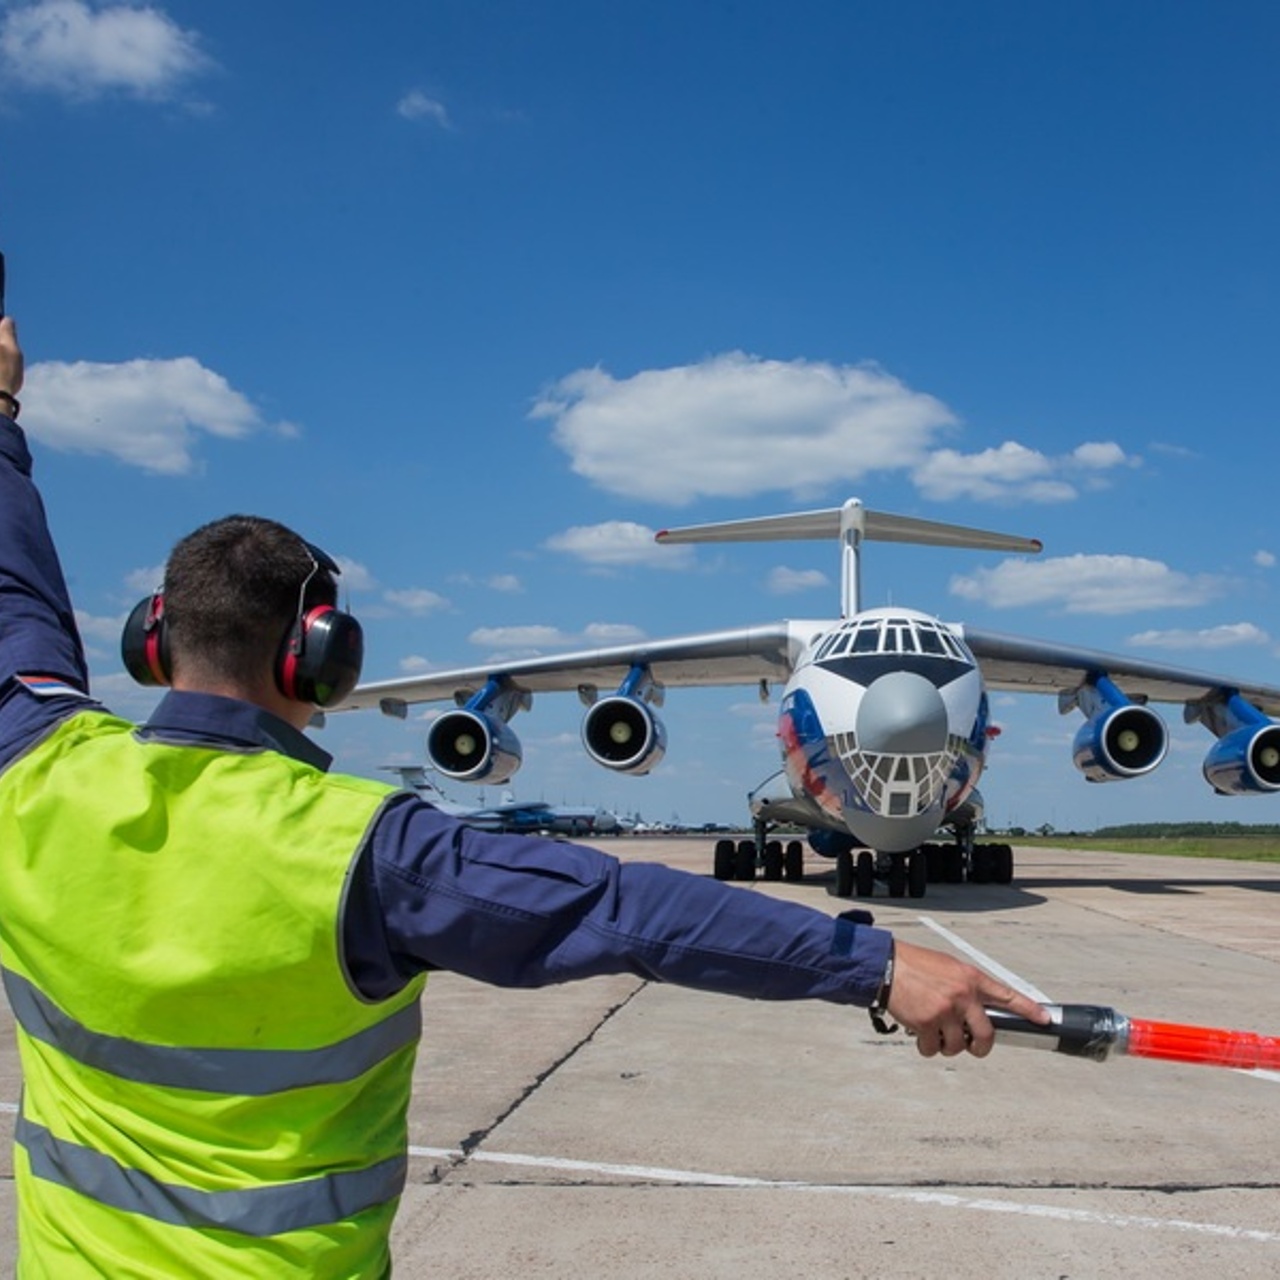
(1179, 884)
(941, 897)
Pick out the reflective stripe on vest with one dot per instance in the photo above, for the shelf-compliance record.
(258, 1211)
(251, 1072)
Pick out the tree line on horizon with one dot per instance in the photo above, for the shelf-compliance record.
(1195, 830)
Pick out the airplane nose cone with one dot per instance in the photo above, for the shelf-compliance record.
(902, 713)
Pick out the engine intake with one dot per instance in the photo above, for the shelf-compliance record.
(624, 735)
(471, 746)
(1125, 742)
(1246, 761)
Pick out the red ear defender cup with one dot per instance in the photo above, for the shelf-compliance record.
(321, 657)
(144, 645)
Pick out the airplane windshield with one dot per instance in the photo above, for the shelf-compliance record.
(892, 635)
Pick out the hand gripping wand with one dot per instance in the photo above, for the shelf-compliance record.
(1096, 1032)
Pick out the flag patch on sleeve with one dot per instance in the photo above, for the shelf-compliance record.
(51, 687)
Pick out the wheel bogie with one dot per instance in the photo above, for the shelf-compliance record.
(857, 870)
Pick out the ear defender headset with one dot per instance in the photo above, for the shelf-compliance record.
(319, 659)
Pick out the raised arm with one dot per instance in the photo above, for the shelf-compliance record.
(38, 634)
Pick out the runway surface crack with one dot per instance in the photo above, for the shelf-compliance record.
(477, 1136)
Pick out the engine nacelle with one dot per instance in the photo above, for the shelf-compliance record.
(1125, 742)
(623, 734)
(471, 746)
(1245, 761)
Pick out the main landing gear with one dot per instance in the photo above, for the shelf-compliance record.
(740, 860)
(909, 874)
(904, 874)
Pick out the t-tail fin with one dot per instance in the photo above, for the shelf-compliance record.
(851, 524)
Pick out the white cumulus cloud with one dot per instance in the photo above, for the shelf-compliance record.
(1227, 636)
(415, 600)
(619, 542)
(736, 424)
(1014, 473)
(416, 105)
(785, 582)
(535, 638)
(354, 575)
(82, 50)
(144, 412)
(1086, 584)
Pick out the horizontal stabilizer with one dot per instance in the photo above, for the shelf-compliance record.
(877, 526)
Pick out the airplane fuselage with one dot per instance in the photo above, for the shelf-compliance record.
(883, 725)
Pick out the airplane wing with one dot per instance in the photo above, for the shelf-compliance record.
(1016, 664)
(744, 656)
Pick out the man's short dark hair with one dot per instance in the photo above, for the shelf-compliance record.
(231, 593)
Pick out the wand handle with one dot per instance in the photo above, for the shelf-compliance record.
(1078, 1030)
(1094, 1031)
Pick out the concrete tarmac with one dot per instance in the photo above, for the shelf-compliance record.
(622, 1130)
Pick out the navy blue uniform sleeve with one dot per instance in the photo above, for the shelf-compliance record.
(520, 911)
(38, 634)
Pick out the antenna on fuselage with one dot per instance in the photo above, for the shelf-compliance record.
(852, 523)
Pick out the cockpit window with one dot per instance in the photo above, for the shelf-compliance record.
(892, 635)
(866, 639)
(930, 641)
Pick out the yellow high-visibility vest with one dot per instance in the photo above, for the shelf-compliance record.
(205, 1093)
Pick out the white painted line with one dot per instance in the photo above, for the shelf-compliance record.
(939, 1199)
(639, 1172)
(984, 961)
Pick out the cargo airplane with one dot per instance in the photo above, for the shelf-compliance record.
(883, 715)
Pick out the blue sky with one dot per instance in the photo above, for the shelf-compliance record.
(478, 295)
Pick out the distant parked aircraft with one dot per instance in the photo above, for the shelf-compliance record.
(521, 816)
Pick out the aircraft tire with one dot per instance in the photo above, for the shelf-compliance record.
(981, 867)
(1002, 864)
(897, 887)
(745, 860)
(725, 864)
(773, 860)
(917, 873)
(793, 861)
(865, 875)
(935, 861)
(953, 866)
(844, 874)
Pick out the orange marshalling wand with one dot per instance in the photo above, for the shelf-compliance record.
(1093, 1031)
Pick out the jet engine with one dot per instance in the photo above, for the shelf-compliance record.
(1245, 761)
(1125, 743)
(475, 743)
(473, 746)
(1119, 739)
(623, 734)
